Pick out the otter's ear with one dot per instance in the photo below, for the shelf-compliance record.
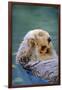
(31, 42)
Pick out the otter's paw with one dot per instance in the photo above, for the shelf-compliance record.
(23, 60)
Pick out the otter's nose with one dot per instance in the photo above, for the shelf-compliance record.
(49, 39)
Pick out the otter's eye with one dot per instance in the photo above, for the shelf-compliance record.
(49, 39)
(43, 47)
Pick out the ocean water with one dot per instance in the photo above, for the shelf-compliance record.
(24, 19)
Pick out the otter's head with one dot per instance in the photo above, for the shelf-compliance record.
(42, 43)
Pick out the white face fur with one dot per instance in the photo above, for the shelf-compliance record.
(42, 42)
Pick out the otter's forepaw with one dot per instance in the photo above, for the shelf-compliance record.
(23, 60)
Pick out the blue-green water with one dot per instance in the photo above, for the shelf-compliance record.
(24, 19)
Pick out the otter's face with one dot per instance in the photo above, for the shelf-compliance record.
(44, 45)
